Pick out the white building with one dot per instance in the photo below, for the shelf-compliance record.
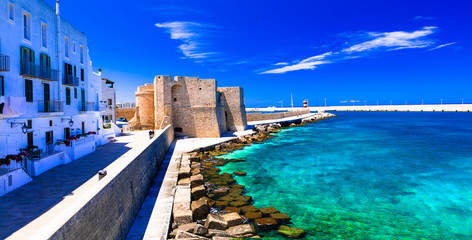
(108, 102)
(48, 90)
(126, 105)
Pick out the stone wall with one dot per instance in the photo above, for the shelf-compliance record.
(111, 212)
(145, 106)
(269, 116)
(235, 109)
(128, 113)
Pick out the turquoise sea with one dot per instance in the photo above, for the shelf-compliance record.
(367, 175)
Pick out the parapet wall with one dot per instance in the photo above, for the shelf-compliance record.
(269, 116)
(104, 208)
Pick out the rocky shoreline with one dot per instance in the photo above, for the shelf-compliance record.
(210, 205)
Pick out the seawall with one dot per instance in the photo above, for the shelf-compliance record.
(269, 116)
(392, 108)
(105, 206)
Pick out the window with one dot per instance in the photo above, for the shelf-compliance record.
(75, 93)
(27, 26)
(30, 139)
(44, 35)
(75, 71)
(44, 61)
(50, 123)
(67, 96)
(29, 90)
(82, 74)
(110, 102)
(29, 124)
(81, 54)
(66, 46)
(2, 86)
(73, 46)
(11, 12)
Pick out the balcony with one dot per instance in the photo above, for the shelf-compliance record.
(4, 62)
(87, 107)
(70, 80)
(50, 106)
(42, 72)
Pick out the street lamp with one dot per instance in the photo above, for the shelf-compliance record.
(462, 100)
(441, 101)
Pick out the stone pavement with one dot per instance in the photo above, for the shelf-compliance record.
(23, 205)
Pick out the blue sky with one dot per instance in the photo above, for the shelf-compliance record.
(349, 52)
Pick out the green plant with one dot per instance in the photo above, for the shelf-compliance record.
(107, 125)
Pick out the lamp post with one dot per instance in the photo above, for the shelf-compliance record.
(325, 102)
(441, 101)
(422, 101)
(462, 100)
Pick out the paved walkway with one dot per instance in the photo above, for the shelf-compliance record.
(23, 205)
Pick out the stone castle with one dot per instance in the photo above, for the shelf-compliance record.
(194, 107)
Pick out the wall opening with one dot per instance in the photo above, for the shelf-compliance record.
(178, 130)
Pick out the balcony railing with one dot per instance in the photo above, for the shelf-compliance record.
(4, 62)
(70, 80)
(86, 106)
(33, 70)
(50, 106)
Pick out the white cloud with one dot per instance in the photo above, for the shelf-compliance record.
(386, 41)
(441, 46)
(309, 63)
(423, 18)
(394, 40)
(281, 64)
(187, 32)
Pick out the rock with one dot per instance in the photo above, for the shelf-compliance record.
(240, 173)
(227, 198)
(253, 215)
(240, 230)
(233, 209)
(198, 192)
(280, 217)
(237, 186)
(237, 203)
(200, 209)
(249, 208)
(182, 234)
(221, 191)
(266, 223)
(236, 191)
(233, 219)
(246, 199)
(189, 227)
(291, 232)
(221, 204)
(184, 181)
(222, 238)
(196, 171)
(217, 233)
(200, 230)
(268, 210)
(196, 180)
(214, 221)
(184, 172)
(182, 217)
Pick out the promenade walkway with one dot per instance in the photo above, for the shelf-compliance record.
(23, 205)
(280, 120)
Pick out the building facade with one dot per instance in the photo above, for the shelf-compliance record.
(126, 105)
(194, 107)
(48, 89)
(108, 101)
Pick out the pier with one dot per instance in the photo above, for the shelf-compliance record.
(378, 108)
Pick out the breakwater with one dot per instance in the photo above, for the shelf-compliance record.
(209, 204)
(105, 206)
(269, 116)
(381, 108)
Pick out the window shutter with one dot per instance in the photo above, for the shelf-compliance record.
(23, 54)
(32, 56)
(41, 61)
(48, 61)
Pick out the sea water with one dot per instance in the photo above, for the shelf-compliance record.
(367, 175)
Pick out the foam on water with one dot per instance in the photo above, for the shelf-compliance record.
(367, 175)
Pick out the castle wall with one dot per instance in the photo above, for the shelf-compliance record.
(235, 110)
(127, 113)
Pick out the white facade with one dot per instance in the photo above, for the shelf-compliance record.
(108, 102)
(48, 85)
(126, 105)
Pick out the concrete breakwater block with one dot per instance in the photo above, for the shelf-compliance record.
(241, 230)
(183, 217)
(233, 219)
(198, 192)
(214, 221)
(200, 209)
(184, 172)
(182, 198)
(196, 180)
